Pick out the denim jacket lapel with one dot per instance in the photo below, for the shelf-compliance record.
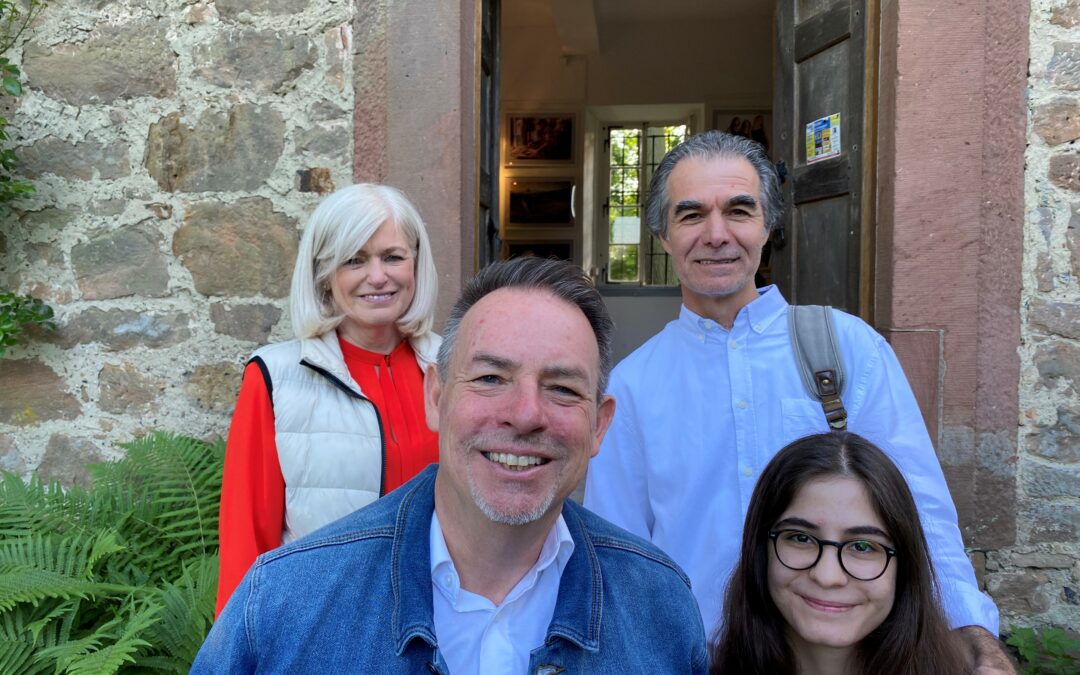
(410, 561)
(580, 604)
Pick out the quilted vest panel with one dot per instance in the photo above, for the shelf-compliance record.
(329, 442)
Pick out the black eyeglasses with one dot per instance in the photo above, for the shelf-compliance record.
(861, 559)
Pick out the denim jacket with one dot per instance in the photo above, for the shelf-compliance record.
(356, 596)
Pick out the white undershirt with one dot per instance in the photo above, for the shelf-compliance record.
(475, 636)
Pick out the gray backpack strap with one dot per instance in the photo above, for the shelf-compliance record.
(818, 357)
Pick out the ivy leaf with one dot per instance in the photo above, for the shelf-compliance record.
(12, 86)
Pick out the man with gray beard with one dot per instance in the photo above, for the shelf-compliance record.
(481, 565)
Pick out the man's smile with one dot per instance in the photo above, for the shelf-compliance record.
(515, 462)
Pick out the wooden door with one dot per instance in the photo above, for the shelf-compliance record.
(823, 120)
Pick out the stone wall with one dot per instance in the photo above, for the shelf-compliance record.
(177, 147)
(1038, 581)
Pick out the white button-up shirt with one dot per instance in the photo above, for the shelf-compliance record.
(701, 410)
(477, 636)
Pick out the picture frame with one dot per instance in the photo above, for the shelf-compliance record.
(540, 201)
(753, 124)
(561, 249)
(539, 139)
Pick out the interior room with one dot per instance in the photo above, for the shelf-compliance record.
(591, 95)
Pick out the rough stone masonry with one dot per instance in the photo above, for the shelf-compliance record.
(1038, 579)
(176, 148)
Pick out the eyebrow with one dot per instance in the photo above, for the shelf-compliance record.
(383, 251)
(743, 200)
(555, 372)
(694, 205)
(687, 205)
(566, 372)
(851, 531)
(494, 361)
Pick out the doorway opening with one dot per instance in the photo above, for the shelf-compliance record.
(591, 95)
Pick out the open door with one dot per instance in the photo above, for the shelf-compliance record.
(488, 243)
(824, 128)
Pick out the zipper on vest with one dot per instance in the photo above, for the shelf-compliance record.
(378, 418)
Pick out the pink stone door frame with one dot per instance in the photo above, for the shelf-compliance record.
(952, 125)
(415, 65)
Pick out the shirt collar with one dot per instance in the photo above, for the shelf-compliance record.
(351, 352)
(557, 548)
(578, 609)
(769, 306)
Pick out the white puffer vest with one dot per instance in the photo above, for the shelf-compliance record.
(328, 434)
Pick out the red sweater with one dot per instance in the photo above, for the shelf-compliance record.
(253, 489)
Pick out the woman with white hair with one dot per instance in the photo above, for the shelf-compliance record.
(333, 420)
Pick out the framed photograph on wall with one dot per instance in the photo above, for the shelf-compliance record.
(561, 249)
(755, 124)
(537, 139)
(539, 202)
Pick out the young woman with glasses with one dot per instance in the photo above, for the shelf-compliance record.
(834, 575)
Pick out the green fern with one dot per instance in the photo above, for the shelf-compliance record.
(110, 646)
(121, 576)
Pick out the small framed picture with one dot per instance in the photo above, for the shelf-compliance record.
(753, 124)
(560, 249)
(537, 139)
(539, 202)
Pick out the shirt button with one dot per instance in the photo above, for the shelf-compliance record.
(747, 471)
(742, 405)
(448, 581)
(734, 344)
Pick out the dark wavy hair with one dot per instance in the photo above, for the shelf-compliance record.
(914, 638)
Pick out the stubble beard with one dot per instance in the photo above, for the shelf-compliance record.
(486, 440)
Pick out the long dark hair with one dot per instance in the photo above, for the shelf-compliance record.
(914, 638)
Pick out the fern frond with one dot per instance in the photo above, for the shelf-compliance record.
(27, 584)
(121, 576)
(17, 658)
(20, 638)
(186, 488)
(188, 612)
(111, 646)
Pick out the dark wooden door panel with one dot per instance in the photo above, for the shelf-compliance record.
(821, 66)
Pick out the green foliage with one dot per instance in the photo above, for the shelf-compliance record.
(120, 577)
(14, 18)
(19, 311)
(634, 153)
(1050, 651)
(16, 312)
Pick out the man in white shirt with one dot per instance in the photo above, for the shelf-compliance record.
(481, 565)
(705, 403)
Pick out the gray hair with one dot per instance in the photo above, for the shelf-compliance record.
(561, 279)
(711, 145)
(339, 227)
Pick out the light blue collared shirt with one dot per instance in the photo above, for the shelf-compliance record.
(700, 410)
(477, 636)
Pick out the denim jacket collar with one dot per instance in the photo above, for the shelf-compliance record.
(577, 611)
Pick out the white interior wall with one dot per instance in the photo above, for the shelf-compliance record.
(711, 62)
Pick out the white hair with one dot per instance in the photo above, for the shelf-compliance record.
(339, 227)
